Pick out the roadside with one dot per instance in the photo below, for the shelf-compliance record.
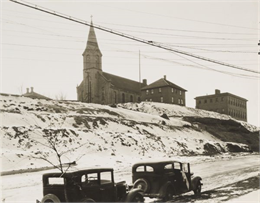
(225, 193)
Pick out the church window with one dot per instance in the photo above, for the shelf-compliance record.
(151, 91)
(172, 90)
(151, 100)
(205, 101)
(160, 90)
(180, 92)
(115, 97)
(172, 99)
(97, 61)
(179, 101)
(147, 91)
(161, 99)
(123, 97)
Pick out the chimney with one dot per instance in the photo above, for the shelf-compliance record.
(217, 91)
(164, 77)
(31, 89)
(144, 81)
(27, 90)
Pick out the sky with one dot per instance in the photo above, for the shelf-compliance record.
(45, 52)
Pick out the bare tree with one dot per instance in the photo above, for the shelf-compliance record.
(60, 96)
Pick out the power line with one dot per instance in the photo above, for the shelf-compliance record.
(188, 36)
(200, 21)
(144, 27)
(132, 37)
(203, 45)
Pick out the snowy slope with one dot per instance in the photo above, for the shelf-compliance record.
(97, 134)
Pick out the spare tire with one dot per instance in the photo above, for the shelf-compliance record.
(50, 198)
(142, 184)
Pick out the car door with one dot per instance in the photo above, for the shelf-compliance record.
(107, 187)
(91, 186)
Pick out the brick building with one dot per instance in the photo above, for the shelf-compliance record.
(34, 95)
(224, 103)
(164, 91)
(101, 87)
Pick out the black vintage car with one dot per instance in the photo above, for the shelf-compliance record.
(164, 179)
(91, 185)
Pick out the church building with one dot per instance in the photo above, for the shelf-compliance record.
(100, 87)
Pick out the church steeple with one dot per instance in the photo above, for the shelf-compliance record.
(92, 54)
(92, 39)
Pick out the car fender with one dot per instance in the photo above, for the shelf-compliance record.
(163, 190)
(131, 194)
(194, 182)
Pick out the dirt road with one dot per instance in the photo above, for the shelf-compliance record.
(223, 179)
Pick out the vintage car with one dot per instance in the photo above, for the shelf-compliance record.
(164, 179)
(91, 185)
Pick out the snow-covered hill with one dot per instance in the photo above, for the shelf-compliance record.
(92, 134)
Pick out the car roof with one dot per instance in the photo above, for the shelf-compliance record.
(79, 172)
(151, 163)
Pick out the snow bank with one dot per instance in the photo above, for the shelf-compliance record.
(84, 132)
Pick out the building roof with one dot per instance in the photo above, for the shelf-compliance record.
(220, 94)
(92, 43)
(35, 95)
(124, 83)
(162, 83)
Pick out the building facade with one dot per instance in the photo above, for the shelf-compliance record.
(224, 103)
(101, 87)
(164, 91)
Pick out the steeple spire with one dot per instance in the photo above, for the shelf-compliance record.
(92, 56)
(92, 39)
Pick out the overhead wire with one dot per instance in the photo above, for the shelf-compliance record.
(192, 44)
(141, 27)
(132, 37)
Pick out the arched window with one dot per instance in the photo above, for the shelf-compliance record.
(123, 97)
(131, 98)
(115, 97)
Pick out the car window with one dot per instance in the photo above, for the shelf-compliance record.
(56, 181)
(140, 169)
(177, 165)
(91, 178)
(106, 177)
(185, 168)
(168, 166)
(149, 169)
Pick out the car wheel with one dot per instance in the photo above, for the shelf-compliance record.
(168, 195)
(87, 200)
(197, 190)
(50, 198)
(142, 184)
(138, 198)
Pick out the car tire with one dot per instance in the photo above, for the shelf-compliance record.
(138, 198)
(197, 190)
(87, 200)
(142, 184)
(50, 198)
